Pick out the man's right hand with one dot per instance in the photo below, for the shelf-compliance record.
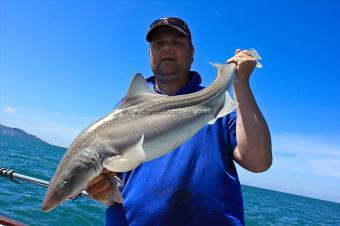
(102, 187)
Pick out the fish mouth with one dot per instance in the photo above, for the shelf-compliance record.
(53, 199)
(49, 203)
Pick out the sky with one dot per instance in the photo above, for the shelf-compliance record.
(64, 64)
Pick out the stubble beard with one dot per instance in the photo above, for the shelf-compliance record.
(167, 69)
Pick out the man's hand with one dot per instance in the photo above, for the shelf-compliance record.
(102, 188)
(245, 65)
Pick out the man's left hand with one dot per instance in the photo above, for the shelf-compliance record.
(245, 64)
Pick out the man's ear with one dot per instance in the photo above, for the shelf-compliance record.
(192, 53)
(149, 51)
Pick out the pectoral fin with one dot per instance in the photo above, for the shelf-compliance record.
(131, 158)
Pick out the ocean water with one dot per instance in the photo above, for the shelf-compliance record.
(266, 207)
(22, 202)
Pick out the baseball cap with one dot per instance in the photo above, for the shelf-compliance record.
(173, 22)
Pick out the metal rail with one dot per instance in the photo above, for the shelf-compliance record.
(17, 177)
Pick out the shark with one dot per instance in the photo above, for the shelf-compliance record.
(145, 125)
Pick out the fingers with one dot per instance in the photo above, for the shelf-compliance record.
(105, 173)
(240, 56)
(104, 194)
(245, 64)
(102, 187)
(99, 187)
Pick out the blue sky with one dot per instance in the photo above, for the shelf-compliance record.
(64, 64)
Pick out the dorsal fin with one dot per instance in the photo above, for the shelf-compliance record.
(139, 92)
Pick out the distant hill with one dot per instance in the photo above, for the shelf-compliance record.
(19, 134)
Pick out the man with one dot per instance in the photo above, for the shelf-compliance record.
(196, 184)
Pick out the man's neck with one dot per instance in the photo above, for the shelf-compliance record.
(170, 86)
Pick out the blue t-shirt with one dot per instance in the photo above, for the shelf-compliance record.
(194, 185)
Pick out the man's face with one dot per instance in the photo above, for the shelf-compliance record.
(170, 52)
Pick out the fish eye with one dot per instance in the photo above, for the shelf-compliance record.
(62, 183)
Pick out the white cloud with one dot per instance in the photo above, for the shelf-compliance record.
(306, 145)
(311, 154)
(305, 164)
(10, 110)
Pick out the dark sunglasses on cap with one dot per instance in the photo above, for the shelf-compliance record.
(173, 22)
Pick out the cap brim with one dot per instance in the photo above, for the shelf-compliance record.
(152, 30)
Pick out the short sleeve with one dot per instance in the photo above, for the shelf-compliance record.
(231, 125)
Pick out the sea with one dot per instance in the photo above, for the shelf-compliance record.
(35, 158)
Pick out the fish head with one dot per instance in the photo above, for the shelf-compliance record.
(70, 180)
